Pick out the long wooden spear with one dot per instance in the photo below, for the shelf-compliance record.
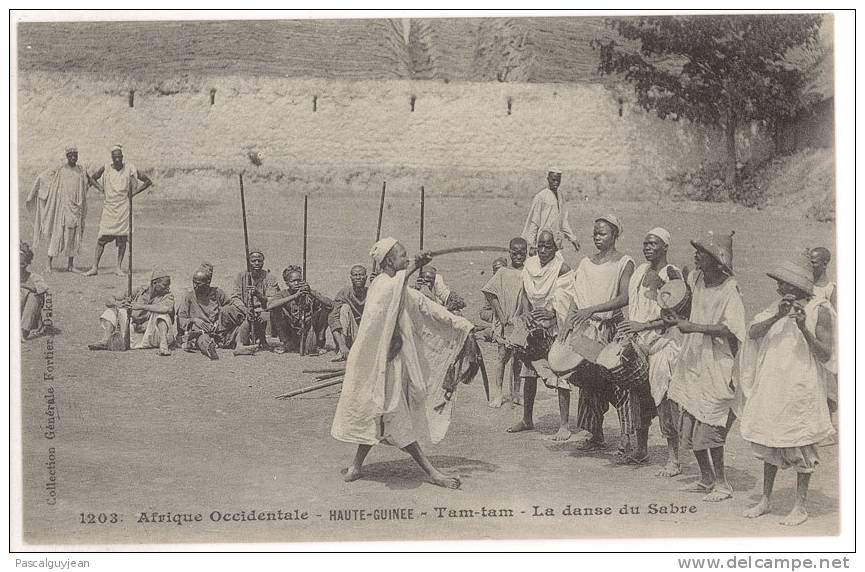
(304, 298)
(128, 338)
(422, 196)
(315, 387)
(245, 229)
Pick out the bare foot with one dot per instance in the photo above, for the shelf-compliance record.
(592, 445)
(563, 434)
(443, 480)
(164, 352)
(796, 517)
(516, 400)
(758, 509)
(49, 270)
(119, 271)
(495, 403)
(697, 487)
(74, 270)
(671, 469)
(520, 426)
(91, 272)
(244, 350)
(352, 474)
(721, 493)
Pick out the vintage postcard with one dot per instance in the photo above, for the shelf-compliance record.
(366, 278)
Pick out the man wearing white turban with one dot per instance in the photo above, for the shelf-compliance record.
(549, 211)
(661, 344)
(402, 368)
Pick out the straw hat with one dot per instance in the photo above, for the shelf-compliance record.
(719, 246)
(796, 272)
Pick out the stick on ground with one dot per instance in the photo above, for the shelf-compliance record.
(310, 388)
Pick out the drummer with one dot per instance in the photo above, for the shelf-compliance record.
(661, 345)
(702, 382)
(544, 276)
(600, 291)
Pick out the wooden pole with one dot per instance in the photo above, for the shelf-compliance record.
(324, 376)
(128, 340)
(304, 299)
(422, 196)
(315, 387)
(324, 370)
(245, 229)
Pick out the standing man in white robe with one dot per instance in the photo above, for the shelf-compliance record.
(117, 180)
(398, 367)
(661, 344)
(59, 202)
(783, 383)
(549, 211)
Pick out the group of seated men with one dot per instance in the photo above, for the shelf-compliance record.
(206, 319)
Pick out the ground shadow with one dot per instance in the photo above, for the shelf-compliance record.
(405, 474)
(48, 331)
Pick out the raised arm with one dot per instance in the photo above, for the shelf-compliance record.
(760, 329)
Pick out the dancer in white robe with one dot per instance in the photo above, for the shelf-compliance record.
(408, 352)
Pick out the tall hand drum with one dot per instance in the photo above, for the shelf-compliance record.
(625, 362)
(675, 296)
(566, 355)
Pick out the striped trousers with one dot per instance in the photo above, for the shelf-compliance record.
(635, 407)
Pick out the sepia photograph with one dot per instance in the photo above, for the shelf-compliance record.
(351, 278)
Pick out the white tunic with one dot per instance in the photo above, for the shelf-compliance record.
(663, 347)
(388, 400)
(115, 209)
(702, 382)
(784, 385)
(548, 212)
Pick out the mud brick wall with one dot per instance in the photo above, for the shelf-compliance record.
(590, 130)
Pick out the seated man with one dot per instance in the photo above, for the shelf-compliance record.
(207, 319)
(347, 310)
(32, 291)
(252, 291)
(299, 312)
(151, 310)
(432, 285)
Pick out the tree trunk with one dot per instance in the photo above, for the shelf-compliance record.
(730, 137)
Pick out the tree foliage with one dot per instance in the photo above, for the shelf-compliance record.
(716, 70)
(709, 69)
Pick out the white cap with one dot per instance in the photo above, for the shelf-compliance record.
(661, 233)
(381, 248)
(555, 170)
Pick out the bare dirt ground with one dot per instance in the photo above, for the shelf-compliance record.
(140, 433)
